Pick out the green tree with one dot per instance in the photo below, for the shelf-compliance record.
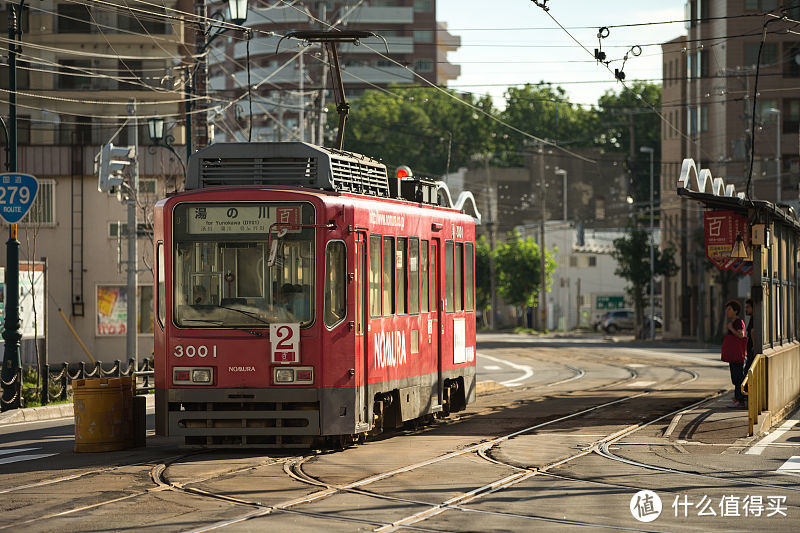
(632, 253)
(483, 283)
(617, 112)
(518, 270)
(416, 126)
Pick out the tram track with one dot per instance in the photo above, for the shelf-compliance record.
(295, 470)
(293, 466)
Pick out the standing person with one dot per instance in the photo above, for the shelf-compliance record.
(734, 349)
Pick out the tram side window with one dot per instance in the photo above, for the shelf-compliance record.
(449, 298)
(388, 276)
(413, 276)
(424, 275)
(375, 275)
(335, 287)
(469, 277)
(434, 277)
(458, 261)
(401, 277)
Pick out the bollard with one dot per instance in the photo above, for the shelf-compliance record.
(82, 370)
(117, 368)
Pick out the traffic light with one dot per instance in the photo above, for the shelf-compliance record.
(110, 165)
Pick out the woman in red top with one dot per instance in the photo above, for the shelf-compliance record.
(734, 349)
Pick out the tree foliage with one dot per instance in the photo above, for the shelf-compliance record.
(415, 126)
(632, 253)
(518, 270)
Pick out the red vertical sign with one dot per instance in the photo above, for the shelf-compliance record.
(721, 230)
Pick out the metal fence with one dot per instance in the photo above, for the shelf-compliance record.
(56, 385)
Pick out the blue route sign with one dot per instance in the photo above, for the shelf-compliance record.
(17, 192)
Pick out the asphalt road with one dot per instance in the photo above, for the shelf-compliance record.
(580, 428)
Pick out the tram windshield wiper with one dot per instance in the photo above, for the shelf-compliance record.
(250, 314)
(203, 320)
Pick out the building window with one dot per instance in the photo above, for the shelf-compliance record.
(147, 186)
(74, 130)
(112, 310)
(120, 229)
(791, 64)
(760, 5)
(423, 36)
(703, 118)
(769, 54)
(74, 18)
(573, 261)
(131, 72)
(791, 118)
(71, 75)
(43, 209)
(592, 261)
(423, 5)
(152, 23)
(423, 65)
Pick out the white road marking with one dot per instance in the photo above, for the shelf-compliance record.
(6, 451)
(527, 371)
(792, 466)
(641, 383)
(491, 367)
(775, 435)
(636, 365)
(28, 457)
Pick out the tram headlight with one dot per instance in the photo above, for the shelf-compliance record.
(201, 375)
(295, 375)
(284, 375)
(188, 375)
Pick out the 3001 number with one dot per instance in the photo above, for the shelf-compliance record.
(195, 351)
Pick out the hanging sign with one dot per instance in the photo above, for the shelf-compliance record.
(721, 230)
(17, 192)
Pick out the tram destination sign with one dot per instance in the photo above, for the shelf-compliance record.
(17, 192)
(239, 218)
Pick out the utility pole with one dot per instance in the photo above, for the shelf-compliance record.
(491, 227)
(542, 247)
(301, 116)
(11, 335)
(133, 264)
(200, 77)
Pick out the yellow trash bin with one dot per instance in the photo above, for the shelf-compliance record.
(103, 414)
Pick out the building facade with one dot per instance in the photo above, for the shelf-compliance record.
(711, 115)
(290, 80)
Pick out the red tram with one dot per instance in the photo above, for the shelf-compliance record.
(302, 294)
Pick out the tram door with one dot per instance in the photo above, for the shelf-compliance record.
(436, 315)
(361, 338)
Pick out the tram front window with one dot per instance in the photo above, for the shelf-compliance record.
(221, 268)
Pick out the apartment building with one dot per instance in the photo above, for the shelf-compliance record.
(80, 66)
(709, 81)
(291, 97)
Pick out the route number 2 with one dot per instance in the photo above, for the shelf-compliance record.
(285, 343)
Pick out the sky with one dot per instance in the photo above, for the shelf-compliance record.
(514, 42)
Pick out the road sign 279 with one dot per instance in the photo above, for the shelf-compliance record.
(17, 192)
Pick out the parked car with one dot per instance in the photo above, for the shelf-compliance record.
(617, 320)
(620, 319)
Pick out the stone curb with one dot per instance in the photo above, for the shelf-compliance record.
(487, 387)
(48, 412)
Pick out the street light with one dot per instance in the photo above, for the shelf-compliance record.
(648, 150)
(237, 10)
(774, 111)
(155, 129)
(563, 173)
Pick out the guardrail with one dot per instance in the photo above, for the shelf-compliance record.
(754, 386)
